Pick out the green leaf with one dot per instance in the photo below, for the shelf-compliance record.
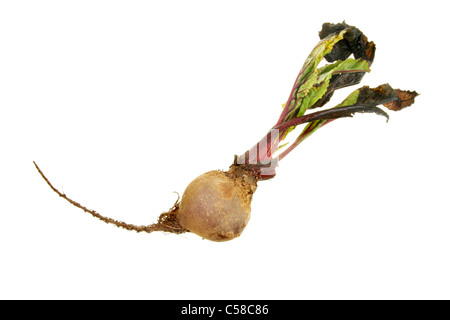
(315, 57)
(346, 66)
(350, 100)
(323, 77)
(307, 77)
(320, 80)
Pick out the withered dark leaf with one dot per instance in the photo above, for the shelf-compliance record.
(404, 99)
(375, 96)
(354, 42)
(367, 101)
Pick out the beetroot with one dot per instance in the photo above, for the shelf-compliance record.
(217, 204)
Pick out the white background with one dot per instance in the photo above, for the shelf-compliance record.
(121, 103)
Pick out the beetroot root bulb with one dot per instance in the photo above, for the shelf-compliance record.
(217, 205)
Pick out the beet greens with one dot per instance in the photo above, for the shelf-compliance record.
(315, 86)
